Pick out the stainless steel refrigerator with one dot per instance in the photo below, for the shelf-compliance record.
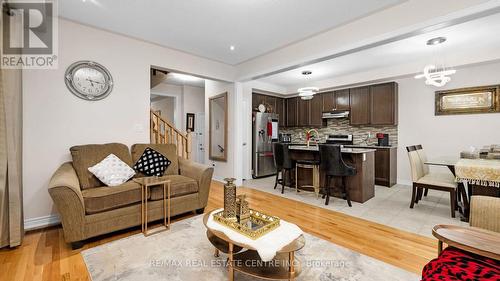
(264, 133)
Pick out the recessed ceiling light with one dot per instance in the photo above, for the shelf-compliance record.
(306, 72)
(436, 41)
(231, 48)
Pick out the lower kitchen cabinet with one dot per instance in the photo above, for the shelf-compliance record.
(386, 166)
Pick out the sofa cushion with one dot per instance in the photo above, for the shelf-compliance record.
(179, 186)
(105, 198)
(168, 150)
(152, 163)
(85, 156)
(112, 171)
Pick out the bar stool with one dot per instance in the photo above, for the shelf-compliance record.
(283, 164)
(308, 164)
(332, 164)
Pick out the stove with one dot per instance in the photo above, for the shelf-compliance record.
(340, 139)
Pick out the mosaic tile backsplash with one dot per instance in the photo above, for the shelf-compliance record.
(342, 126)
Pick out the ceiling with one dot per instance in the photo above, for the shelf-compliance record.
(471, 39)
(209, 28)
(184, 79)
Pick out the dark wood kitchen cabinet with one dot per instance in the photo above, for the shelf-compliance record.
(386, 166)
(342, 99)
(316, 111)
(328, 101)
(270, 102)
(256, 100)
(291, 112)
(281, 111)
(303, 111)
(360, 106)
(384, 104)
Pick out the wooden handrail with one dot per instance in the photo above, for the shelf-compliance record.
(163, 131)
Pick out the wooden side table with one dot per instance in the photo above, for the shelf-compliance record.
(146, 183)
(472, 239)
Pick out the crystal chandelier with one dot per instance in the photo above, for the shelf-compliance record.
(436, 75)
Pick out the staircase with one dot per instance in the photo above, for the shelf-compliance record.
(163, 132)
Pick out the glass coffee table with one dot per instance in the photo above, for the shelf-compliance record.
(245, 259)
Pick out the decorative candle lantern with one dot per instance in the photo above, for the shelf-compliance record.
(242, 210)
(230, 199)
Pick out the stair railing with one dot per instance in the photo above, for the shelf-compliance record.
(163, 131)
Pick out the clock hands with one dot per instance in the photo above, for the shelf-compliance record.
(93, 81)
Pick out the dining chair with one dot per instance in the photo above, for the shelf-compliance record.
(283, 164)
(332, 165)
(423, 158)
(424, 179)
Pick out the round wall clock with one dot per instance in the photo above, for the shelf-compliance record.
(88, 80)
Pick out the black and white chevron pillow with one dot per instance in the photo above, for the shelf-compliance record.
(152, 163)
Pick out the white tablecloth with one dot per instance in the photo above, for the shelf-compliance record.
(267, 245)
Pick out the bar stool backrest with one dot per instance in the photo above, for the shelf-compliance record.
(282, 156)
(331, 162)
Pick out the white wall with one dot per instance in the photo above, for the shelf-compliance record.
(54, 119)
(443, 135)
(223, 169)
(166, 106)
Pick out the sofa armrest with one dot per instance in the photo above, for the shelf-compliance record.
(64, 188)
(201, 173)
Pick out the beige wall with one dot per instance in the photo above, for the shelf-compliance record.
(55, 120)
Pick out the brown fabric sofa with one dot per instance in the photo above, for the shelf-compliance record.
(88, 208)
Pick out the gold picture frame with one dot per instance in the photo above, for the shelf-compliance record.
(471, 100)
(217, 149)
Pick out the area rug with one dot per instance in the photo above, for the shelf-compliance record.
(184, 253)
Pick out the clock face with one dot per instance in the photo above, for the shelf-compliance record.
(89, 80)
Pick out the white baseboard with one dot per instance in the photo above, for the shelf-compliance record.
(41, 222)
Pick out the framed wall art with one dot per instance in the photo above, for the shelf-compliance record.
(468, 100)
(190, 122)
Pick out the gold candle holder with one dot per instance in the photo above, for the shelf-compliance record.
(230, 199)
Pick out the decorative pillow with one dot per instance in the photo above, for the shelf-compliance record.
(152, 163)
(112, 171)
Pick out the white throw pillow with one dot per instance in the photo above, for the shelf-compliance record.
(112, 171)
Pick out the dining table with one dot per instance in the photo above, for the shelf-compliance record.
(470, 173)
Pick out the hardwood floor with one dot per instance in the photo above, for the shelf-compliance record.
(45, 256)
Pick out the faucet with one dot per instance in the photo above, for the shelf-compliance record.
(309, 136)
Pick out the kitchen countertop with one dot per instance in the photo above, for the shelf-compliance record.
(370, 146)
(344, 150)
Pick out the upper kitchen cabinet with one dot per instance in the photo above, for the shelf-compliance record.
(316, 111)
(270, 102)
(360, 106)
(328, 101)
(384, 104)
(281, 111)
(303, 111)
(342, 100)
(256, 100)
(291, 112)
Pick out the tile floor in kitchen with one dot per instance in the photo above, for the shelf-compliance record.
(390, 206)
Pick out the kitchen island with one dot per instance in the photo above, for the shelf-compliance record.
(361, 186)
